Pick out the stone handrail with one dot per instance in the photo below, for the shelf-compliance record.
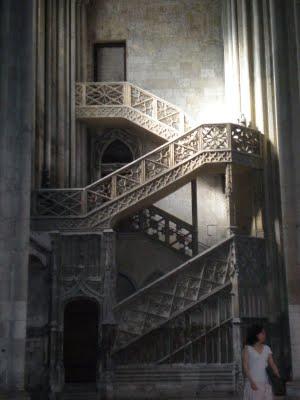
(123, 99)
(149, 175)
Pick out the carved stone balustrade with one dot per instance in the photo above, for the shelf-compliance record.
(172, 295)
(166, 228)
(190, 314)
(127, 101)
(146, 179)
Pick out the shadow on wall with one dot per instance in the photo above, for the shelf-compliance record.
(125, 287)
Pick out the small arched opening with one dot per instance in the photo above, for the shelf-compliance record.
(116, 155)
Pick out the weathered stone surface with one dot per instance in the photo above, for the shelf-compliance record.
(16, 121)
(174, 49)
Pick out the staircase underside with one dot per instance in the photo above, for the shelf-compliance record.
(118, 115)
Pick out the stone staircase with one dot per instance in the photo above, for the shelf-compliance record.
(145, 180)
(175, 336)
(125, 101)
(155, 314)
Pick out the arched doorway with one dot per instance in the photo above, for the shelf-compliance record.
(81, 320)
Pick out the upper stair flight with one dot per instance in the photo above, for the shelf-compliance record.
(151, 177)
(123, 100)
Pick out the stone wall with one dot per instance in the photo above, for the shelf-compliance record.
(211, 204)
(141, 258)
(174, 49)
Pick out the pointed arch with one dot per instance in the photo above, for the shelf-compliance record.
(117, 152)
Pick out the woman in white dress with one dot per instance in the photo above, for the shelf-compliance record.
(256, 357)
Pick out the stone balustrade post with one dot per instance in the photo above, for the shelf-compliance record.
(236, 320)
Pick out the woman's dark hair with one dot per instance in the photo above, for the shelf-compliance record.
(252, 333)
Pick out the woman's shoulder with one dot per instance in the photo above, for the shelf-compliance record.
(247, 347)
(267, 349)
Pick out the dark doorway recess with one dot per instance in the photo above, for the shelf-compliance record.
(117, 152)
(80, 341)
(110, 62)
(116, 155)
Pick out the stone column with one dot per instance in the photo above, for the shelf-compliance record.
(237, 66)
(81, 76)
(285, 44)
(194, 216)
(56, 373)
(231, 64)
(236, 320)
(55, 134)
(275, 111)
(230, 200)
(257, 203)
(108, 318)
(38, 136)
(17, 74)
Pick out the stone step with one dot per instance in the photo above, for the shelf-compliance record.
(79, 391)
(208, 381)
(164, 382)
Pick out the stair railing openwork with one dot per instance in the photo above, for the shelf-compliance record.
(191, 314)
(173, 295)
(166, 228)
(154, 172)
(95, 99)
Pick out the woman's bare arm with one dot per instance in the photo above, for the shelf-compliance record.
(245, 357)
(273, 365)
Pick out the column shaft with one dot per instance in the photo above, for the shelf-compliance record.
(17, 75)
(230, 199)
